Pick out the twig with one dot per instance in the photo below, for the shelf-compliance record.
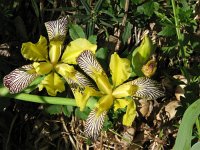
(66, 130)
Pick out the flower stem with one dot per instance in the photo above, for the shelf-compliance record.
(4, 92)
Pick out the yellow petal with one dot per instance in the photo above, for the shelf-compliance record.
(42, 67)
(103, 84)
(82, 97)
(55, 51)
(65, 70)
(120, 103)
(129, 117)
(124, 90)
(104, 104)
(74, 49)
(36, 52)
(120, 69)
(53, 84)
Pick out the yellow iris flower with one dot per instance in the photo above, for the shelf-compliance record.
(116, 92)
(51, 60)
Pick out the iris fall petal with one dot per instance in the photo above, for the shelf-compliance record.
(19, 79)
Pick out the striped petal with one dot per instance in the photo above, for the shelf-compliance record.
(94, 124)
(147, 88)
(5, 50)
(120, 69)
(19, 79)
(91, 67)
(56, 29)
(53, 84)
(75, 48)
(35, 52)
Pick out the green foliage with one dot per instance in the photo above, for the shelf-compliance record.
(184, 137)
(82, 114)
(59, 109)
(75, 31)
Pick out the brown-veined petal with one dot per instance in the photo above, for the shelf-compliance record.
(94, 124)
(148, 88)
(35, 52)
(91, 67)
(5, 50)
(57, 29)
(19, 79)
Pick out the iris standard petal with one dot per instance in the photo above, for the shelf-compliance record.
(120, 103)
(91, 67)
(148, 88)
(57, 29)
(94, 124)
(35, 52)
(55, 51)
(19, 79)
(120, 69)
(53, 84)
(42, 68)
(74, 49)
(130, 115)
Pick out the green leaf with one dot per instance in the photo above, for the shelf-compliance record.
(35, 7)
(86, 6)
(54, 109)
(148, 8)
(168, 31)
(59, 109)
(98, 5)
(184, 136)
(93, 39)
(102, 53)
(109, 14)
(127, 32)
(82, 114)
(76, 32)
(67, 110)
(196, 146)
